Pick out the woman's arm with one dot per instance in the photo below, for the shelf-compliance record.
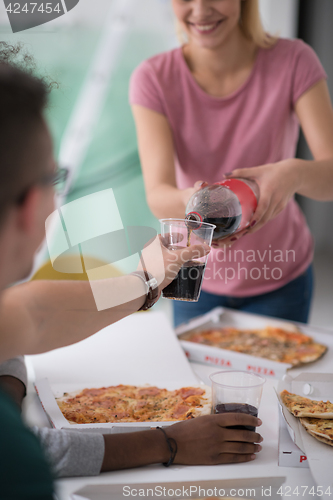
(157, 154)
(278, 182)
(315, 113)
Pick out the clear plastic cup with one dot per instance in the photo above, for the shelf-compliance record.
(179, 233)
(237, 392)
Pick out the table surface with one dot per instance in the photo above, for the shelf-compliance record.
(264, 466)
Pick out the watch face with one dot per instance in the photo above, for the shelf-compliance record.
(152, 283)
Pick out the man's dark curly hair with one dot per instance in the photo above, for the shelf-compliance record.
(23, 97)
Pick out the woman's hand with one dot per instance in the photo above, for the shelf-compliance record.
(278, 182)
(207, 440)
(189, 192)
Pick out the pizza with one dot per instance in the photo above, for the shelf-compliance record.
(274, 343)
(319, 428)
(304, 407)
(315, 416)
(128, 403)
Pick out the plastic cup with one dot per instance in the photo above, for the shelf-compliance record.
(237, 392)
(179, 233)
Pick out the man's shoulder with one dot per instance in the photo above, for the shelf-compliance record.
(21, 454)
(9, 413)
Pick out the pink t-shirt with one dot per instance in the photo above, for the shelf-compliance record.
(254, 125)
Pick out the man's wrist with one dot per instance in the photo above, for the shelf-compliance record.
(160, 446)
(151, 288)
(14, 387)
(124, 451)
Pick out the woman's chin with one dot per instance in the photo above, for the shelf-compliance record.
(210, 43)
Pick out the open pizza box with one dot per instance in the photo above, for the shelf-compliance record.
(317, 386)
(290, 455)
(224, 359)
(139, 350)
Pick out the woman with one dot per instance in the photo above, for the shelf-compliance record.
(229, 103)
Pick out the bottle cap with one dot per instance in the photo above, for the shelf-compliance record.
(193, 216)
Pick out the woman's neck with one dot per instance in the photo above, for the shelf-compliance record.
(221, 70)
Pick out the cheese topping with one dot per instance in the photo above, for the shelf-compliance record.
(300, 406)
(124, 403)
(270, 343)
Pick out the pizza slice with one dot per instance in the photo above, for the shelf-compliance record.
(304, 407)
(321, 429)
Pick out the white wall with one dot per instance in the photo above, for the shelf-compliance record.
(280, 17)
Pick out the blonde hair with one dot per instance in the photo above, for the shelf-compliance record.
(252, 27)
(250, 24)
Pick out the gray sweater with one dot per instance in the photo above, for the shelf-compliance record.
(69, 453)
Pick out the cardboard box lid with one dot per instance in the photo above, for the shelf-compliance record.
(231, 317)
(140, 349)
(319, 455)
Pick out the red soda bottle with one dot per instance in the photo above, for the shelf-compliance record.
(229, 205)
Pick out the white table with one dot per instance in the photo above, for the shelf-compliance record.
(264, 467)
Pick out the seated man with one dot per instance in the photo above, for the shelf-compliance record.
(69, 453)
(40, 316)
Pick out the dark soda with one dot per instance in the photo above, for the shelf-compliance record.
(189, 232)
(237, 408)
(224, 225)
(187, 284)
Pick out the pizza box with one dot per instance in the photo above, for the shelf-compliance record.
(224, 359)
(318, 386)
(139, 350)
(290, 455)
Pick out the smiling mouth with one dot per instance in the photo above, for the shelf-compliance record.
(206, 28)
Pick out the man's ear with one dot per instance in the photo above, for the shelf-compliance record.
(28, 210)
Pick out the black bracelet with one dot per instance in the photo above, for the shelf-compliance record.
(173, 450)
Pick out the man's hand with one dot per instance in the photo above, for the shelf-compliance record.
(202, 441)
(164, 264)
(208, 441)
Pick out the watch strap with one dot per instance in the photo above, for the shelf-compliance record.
(152, 288)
